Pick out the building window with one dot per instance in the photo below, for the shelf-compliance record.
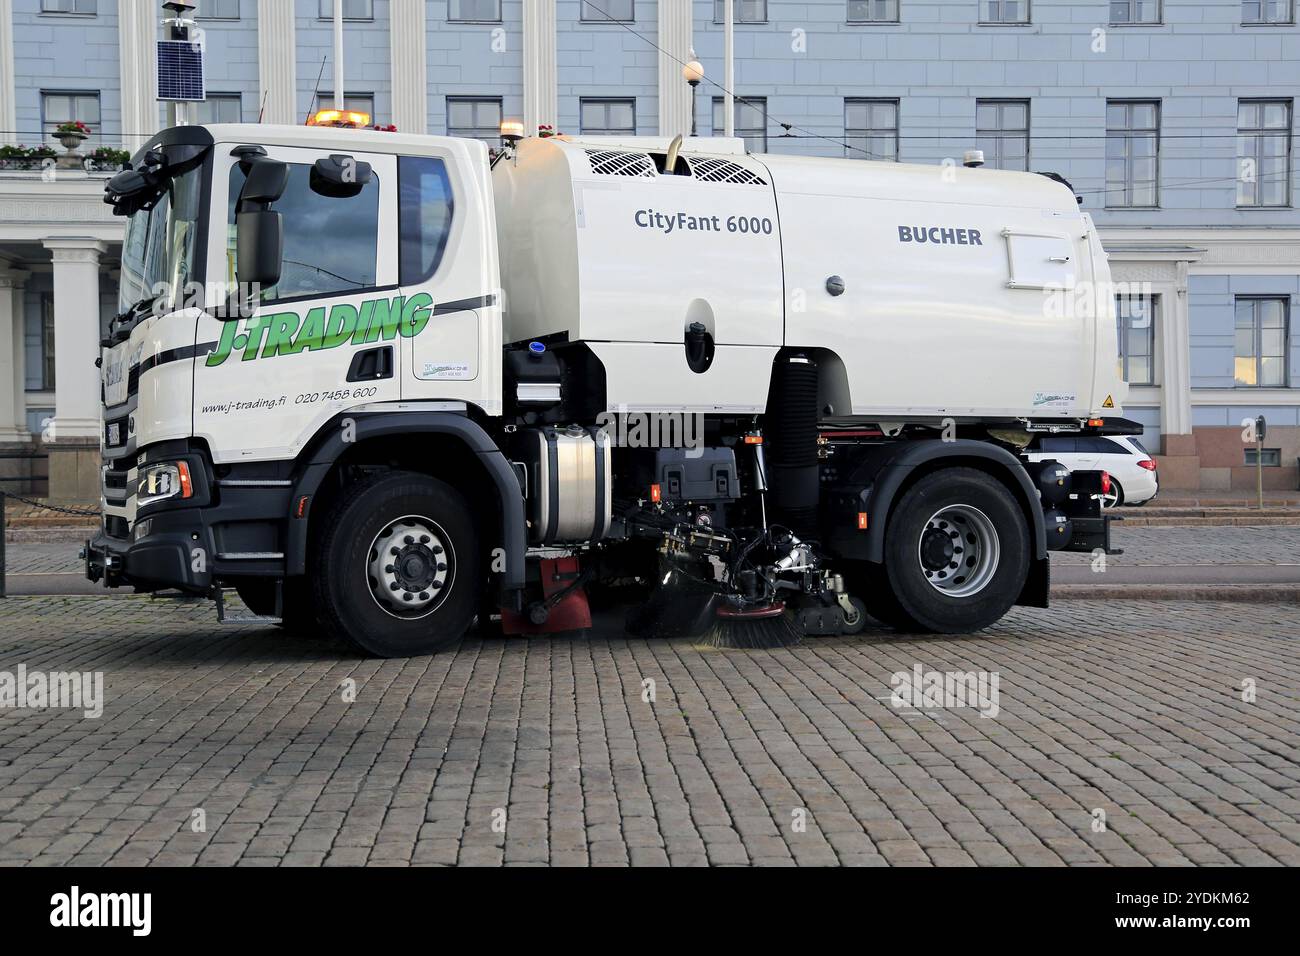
(357, 102)
(750, 121)
(1002, 132)
(219, 108)
(1134, 11)
(871, 129)
(1267, 11)
(227, 10)
(1132, 153)
(608, 117)
(40, 346)
(61, 107)
(330, 242)
(352, 9)
(474, 11)
(1136, 316)
(873, 11)
(745, 11)
(1004, 11)
(1268, 457)
(84, 7)
(1264, 153)
(1261, 340)
(609, 11)
(475, 118)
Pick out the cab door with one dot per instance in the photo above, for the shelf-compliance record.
(448, 275)
(323, 338)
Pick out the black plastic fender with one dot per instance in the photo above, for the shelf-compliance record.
(410, 423)
(876, 482)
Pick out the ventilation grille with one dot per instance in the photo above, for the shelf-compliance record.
(611, 162)
(712, 170)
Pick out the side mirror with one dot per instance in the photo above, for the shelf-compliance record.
(125, 191)
(264, 183)
(339, 176)
(260, 232)
(260, 247)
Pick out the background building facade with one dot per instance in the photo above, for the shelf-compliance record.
(1173, 120)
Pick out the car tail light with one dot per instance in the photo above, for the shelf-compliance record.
(1105, 482)
(1148, 463)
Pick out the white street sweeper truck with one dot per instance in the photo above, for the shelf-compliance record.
(383, 386)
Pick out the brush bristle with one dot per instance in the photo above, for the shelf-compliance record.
(779, 631)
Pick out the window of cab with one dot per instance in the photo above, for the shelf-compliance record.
(331, 244)
(424, 217)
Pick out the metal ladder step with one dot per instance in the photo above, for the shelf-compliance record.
(224, 618)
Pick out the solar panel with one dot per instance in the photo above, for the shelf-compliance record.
(180, 71)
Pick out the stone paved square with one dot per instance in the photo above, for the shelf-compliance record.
(533, 751)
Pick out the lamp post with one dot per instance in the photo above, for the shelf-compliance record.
(179, 25)
(339, 90)
(693, 73)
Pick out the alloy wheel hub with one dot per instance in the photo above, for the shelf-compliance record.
(958, 551)
(410, 567)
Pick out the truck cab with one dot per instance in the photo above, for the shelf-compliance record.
(387, 296)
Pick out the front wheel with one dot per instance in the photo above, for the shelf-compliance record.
(398, 574)
(957, 550)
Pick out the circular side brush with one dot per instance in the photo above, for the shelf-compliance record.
(768, 625)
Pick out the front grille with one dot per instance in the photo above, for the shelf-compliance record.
(115, 526)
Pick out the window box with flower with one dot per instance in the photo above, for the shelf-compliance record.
(24, 157)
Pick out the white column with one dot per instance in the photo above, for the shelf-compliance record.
(137, 38)
(76, 337)
(540, 86)
(8, 107)
(676, 30)
(729, 67)
(13, 398)
(277, 62)
(409, 65)
(1176, 372)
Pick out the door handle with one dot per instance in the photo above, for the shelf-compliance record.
(370, 364)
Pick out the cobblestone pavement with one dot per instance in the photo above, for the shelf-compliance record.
(1213, 545)
(766, 757)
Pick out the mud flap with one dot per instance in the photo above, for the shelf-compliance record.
(1038, 584)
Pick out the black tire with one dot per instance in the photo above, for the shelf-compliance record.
(297, 615)
(912, 539)
(428, 524)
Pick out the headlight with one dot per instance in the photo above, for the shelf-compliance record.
(168, 479)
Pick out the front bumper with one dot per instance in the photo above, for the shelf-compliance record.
(171, 555)
(233, 525)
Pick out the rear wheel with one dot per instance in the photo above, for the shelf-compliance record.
(398, 571)
(957, 552)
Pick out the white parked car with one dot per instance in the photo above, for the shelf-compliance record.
(1133, 478)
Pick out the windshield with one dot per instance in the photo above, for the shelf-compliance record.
(159, 250)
